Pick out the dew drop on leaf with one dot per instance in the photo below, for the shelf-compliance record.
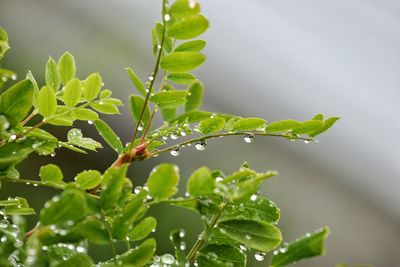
(174, 136)
(175, 151)
(137, 189)
(259, 256)
(167, 17)
(248, 138)
(253, 197)
(248, 237)
(140, 126)
(219, 179)
(13, 77)
(90, 122)
(201, 145)
(167, 259)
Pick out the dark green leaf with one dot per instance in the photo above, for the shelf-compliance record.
(201, 183)
(191, 46)
(176, 238)
(136, 105)
(88, 179)
(181, 78)
(66, 67)
(51, 173)
(212, 125)
(308, 127)
(182, 61)
(93, 85)
(141, 255)
(248, 124)
(72, 93)
(52, 75)
(136, 82)
(108, 135)
(92, 229)
(113, 181)
(184, 8)
(81, 260)
(168, 114)
(47, 101)
(188, 27)
(163, 181)
(71, 205)
(143, 229)
(282, 126)
(221, 255)
(16, 102)
(327, 124)
(195, 99)
(310, 245)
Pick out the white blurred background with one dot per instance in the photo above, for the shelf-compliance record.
(274, 59)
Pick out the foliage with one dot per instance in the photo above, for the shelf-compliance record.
(104, 208)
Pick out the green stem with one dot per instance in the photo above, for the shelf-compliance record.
(108, 228)
(154, 75)
(211, 136)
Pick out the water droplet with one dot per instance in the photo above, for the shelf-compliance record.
(45, 248)
(242, 248)
(53, 154)
(4, 78)
(151, 77)
(259, 256)
(80, 249)
(248, 138)
(4, 122)
(167, 259)
(306, 141)
(187, 194)
(175, 151)
(101, 103)
(183, 133)
(182, 233)
(248, 237)
(3, 239)
(201, 145)
(137, 189)
(182, 245)
(102, 84)
(174, 136)
(164, 137)
(140, 126)
(222, 231)
(13, 77)
(282, 250)
(167, 17)
(253, 197)
(13, 137)
(196, 264)
(35, 185)
(159, 46)
(219, 179)
(90, 122)
(192, 3)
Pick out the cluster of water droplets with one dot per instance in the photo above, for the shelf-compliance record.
(5, 78)
(165, 260)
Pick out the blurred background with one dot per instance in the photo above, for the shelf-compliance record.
(273, 59)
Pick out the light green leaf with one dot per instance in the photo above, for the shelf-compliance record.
(182, 61)
(191, 46)
(16, 102)
(51, 173)
(71, 205)
(108, 135)
(52, 75)
(189, 27)
(319, 117)
(141, 255)
(105, 93)
(113, 181)
(308, 127)
(136, 82)
(260, 236)
(248, 124)
(84, 114)
(47, 101)
(93, 85)
(3, 43)
(328, 123)
(66, 67)
(211, 125)
(195, 99)
(17, 206)
(214, 255)
(168, 114)
(181, 78)
(310, 245)
(169, 99)
(81, 260)
(163, 181)
(193, 116)
(184, 8)
(75, 137)
(88, 179)
(72, 92)
(104, 107)
(143, 229)
(136, 105)
(282, 126)
(201, 183)
(92, 229)
(30, 77)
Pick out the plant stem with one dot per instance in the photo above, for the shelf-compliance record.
(211, 136)
(154, 75)
(191, 256)
(30, 116)
(114, 251)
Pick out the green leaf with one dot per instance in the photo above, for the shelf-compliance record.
(30, 77)
(326, 125)
(260, 236)
(93, 85)
(182, 61)
(52, 75)
(258, 208)
(282, 126)
(193, 116)
(16, 102)
(84, 114)
(136, 105)
(168, 114)
(181, 78)
(51, 173)
(136, 82)
(308, 127)
(113, 181)
(108, 135)
(169, 99)
(104, 107)
(221, 255)
(201, 183)
(72, 92)
(81, 260)
(191, 46)
(310, 245)
(17, 206)
(143, 229)
(66, 67)
(139, 256)
(212, 125)
(88, 179)
(163, 181)
(129, 213)
(92, 229)
(71, 205)
(177, 239)
(76, 138)
(195, 99)
(47, 101)
(248, 124)
(189, 27)
(3, 43)
(184, 8)
(105, 93)
(319, 117)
